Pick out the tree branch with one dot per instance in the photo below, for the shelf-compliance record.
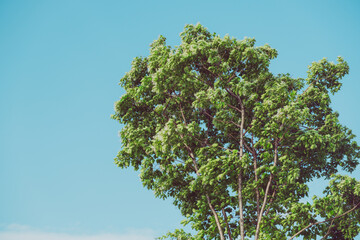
(242, 235)
(328, 232)
(222, 237)
(233, 107)
(235, 96)
(271, 200)
(266, 193)
(192, 156)
(227, 224)
(215, 119)
(231, 77)
(182, 114)
(253, 152)
(330, 219)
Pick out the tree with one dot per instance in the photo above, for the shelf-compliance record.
(234, 145)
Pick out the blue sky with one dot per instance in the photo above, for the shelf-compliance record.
(60, 64)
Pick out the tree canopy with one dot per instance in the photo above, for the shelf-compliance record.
(234, 145)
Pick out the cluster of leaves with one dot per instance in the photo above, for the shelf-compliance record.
(208, 125)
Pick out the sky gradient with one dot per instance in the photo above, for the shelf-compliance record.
(60, 65)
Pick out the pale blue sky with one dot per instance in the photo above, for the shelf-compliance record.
(60, 64)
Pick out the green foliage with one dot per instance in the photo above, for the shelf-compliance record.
(341, 196)
(208, 125)
(178, 234)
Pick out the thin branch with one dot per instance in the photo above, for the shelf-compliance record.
(328, 232)
(192, 156)
(227, 224)
(233, 107)
(182, 114)
(248, 148)
(252, 151)
(167, 104)
(225, 148)
(235, 124)
(207, 69)
(222, 237)
(242, 235)
(215, 119)
(232, 136)
(202, 143)
(311, 84)
(231, 77)
(330, 219)
(198, 78)
(256, 176)
(235, 96)
(270, 202)
(266, 193)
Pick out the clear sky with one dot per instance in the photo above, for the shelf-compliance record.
(60, 64)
